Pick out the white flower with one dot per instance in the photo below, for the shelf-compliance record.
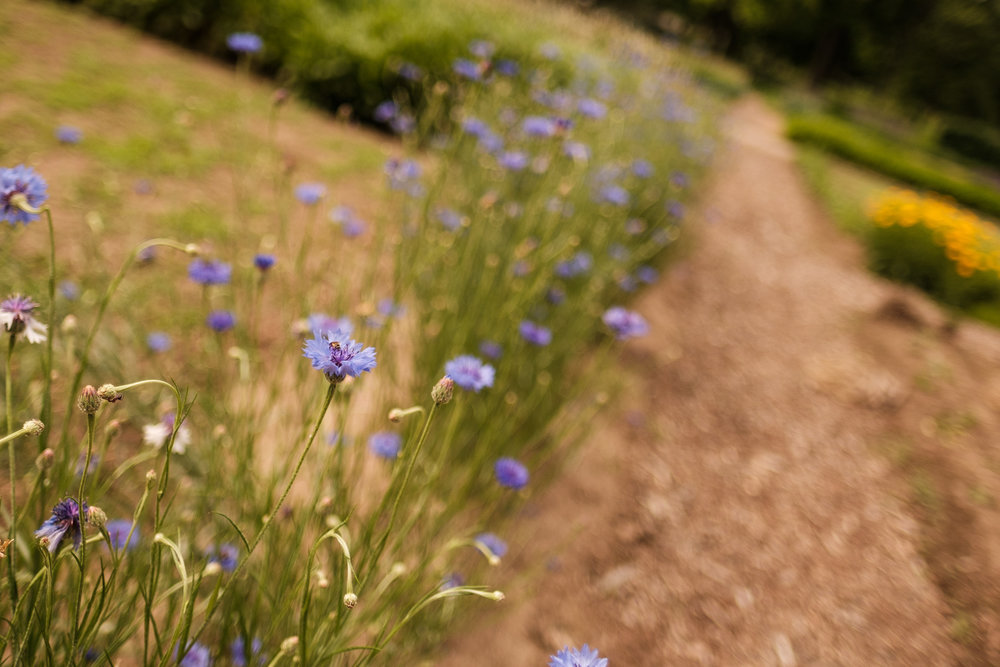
(156, 435)
(17, 318)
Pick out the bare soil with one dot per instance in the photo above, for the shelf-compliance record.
(802, 470)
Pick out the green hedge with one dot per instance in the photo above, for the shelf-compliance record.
(892, 159)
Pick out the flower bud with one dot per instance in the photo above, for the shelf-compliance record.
(33, 427)
(69, 324)
(395, 415)
(212, 569)
(192, 249)
(96, 517)
(43, 542)
(150, 479)
(350, 600)
(108, 393)
(289, 644)
(443, 390)
(89, 401)
(45, 459)
(113, 428)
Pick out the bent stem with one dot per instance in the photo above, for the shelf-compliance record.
(11, 580)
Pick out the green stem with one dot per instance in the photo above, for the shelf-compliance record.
(91, 421)
(47, 360)
(8, 400)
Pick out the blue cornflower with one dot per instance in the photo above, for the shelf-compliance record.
(538, 126)
(410, 72)
(403, 123)
(534, 333)
(17, 318)
(625, 323)
(263, 261)
(555, 295)
(227, 556)
(67, 134)
(323, 322)
(221, 320)
(576, 150)
(507, 67)
(244, 42)
(64, 522)
(385, 444)
(642, 168)
(470, 373)
(449, 219)
(514, 160)
(628, 283)
(238, 652)
(453, 580)
(580, 263)
(493, 544)
(679, 179)
(491, 349)
(647, 274)
(403, 174)
(334, 353)
(385, 111)
(118, 531)
(511, 473)
(158, 341)
(467, 69)
(591, 108)
(675, 210)
(350, 224)
(196, 655)
(390, 308)
(310, 193)
(614, 194)
(573, 657)
(69, 289)
(491, 143)
(20, 180)
(209, 272)
(475, 127)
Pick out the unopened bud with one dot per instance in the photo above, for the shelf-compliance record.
(289, 644)
(43, 542)
(321, 579)
(33, 427)
(443, 390)
(395, 415)
(150, 479)
(89, 401)
(69, 324)
(96, 517)
(108, 393)
(45, 460)
(213, 569)
(498, 596)
(192, 249)
(350, 600)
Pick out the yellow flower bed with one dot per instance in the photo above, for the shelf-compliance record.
(969, 242)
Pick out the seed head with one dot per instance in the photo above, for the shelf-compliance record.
(109, 394)
(33, 427)
(350, 600)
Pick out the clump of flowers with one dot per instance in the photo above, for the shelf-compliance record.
(17, 318)
(577, 657)
(470, 373)
(535, 333)
(21, 185)
(337, 355)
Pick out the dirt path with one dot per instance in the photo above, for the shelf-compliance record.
(735, 512)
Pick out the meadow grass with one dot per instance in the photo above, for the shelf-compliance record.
(323, 509)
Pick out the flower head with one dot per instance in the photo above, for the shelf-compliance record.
(579, 264)
(538, 126)
(158, 341)
(591, 108)
(625, 323)
(64, 522)
(385, 111)
(449, 219)
(209, 272)
(16, 315)
(573, 657)
(334, 353)
(67, 134)
(118, 531)
(197, 655)
(514, 160)
(221, 320)
(238, 649)
(263, 262)
(491, 349)
(642, 168)
(511, 473)
(70, 290)
(227, 556)
(467, 69)
(453, 580)
(156, 435)
(614, 194)
(20, 180)
(534, 333)
(244, 42)
(480, 48)
(310, 193)
(385, 444)
(493, 544)
(469, 373)
(507, 67)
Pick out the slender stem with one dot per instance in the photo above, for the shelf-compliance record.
(8, 400)
(47, 360)
(91, 421)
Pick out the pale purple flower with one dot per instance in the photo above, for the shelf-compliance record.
(323, 322)
(221, 320)
(403, 175)
(70, 290)
(514, 160)
(647, 274)
(538, 126)
(507, 67)
(239, 655)
(625, 323)
(453, 580)
(67, 134)
(21, 180)
(158, 341)
(350, 224)
(209, 272)
(385, 111)
(410, 72)
(578, 265)
(385, 444)
(64, 522)
(17, 317)
(511, 473)
(614, 194)
(310, 193)
(493, 544)
(491, 349)
(337, 355)
(470, 373)
(534, 333)
(227, 556)
(449, 219)
(197, 655)
(118, 531)
(576, 150)
(467, 69)
(482, 49)
(573, 657)
(244, 42)
(591, 108)
(642, 168)
(475, 127)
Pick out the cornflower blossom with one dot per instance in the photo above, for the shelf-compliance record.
(197, 655)
(239, 655)
(385, 111)
(475, 127)
(573, 657)
(625, 323)
(675, 210)
(491, 143)
(403, 123)
(390, 308)
(118, 531)
(628, 284)
(647, 274)
(402, 174)
(534, 333)
(590, 108)
(156, 435)
(263, 261)
(614, 194)
(350, 224)
(337, 355)
(17, 318)
(493, 544)
(449, 219)
(310, 193)
(385, 444)
(480, 48)
(514, 160)
(491, 349)
(642, 168)
(244, 42)
(580, 264)
(221, 321)
(64, 522)
(21, 180)
(410, 72)
(470, 373)
(511, 473)
(467, 69)
(158, 341)
(210, 272)
(67, 134)
(507, 67)
(679, 179)
(453, 580)
(538, 126)
(576, 150)
(227, 556)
